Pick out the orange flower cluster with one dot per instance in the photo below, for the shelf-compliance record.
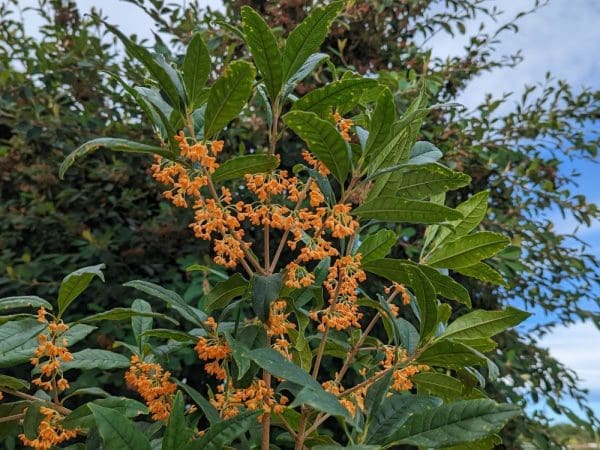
(344, 125)
(278, 326)
(342, 285)
(50, 431)
(257, 396)
(400, 289)
(315, 163)
(213, 349)
(351, 401)
(401, 377)
(149, 380)
(51, 345)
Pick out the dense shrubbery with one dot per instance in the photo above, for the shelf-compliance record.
(116, 216)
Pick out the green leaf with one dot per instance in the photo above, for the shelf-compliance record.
(473, 211)
(449, 354)
(32, 419)
(124, 314)
(172, 299)
(323, 140)
(264, 50)
(141, 324)
(265, 290)
(274, 363)
(13, 383)
(177, 434)
(468, 250)
(240, 353)
(439, 385)
(90, 358)
(346, 91)
(239, 166)
(424, 153)
(394, 411)
(308, 67)
(377, 394)
(228, 96)
(23, 301)
(453, 424)
(404, 272)
(320, 400)
(225, 291)
(419, 181)
(176, 335)
(394, 209)
(117, 431)
(207, 408)
(482, 272)
(168, 78)
(196, 68)
(377, 246)
(381, 121)
(224, 433)
(483, 324)
(75, 283)
(18, 340)
(487, 443)
(307, 37)
(446, 287)
(82, 416)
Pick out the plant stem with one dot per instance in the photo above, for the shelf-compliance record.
(12, 418)
(61, 409)
(266, 418)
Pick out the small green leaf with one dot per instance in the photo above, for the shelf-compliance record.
(473, 211)
(446, 287)
(196, 68)
(307, 37)
(228, 96)
(377, 246)
(240, 353)
(394, 209)
(13, 383)
(264, 50)
(265, 290)
(223, 433)
(468, 250)
(75, 283)
(207, 408)
(424, 153)
(483, 324)
(82, 416)
(241, 165)
(323, 140)
(323, 99)
(32, 419)
(23, 301)
(141, 323)
(18, 340)
(225, 291)
(124, 314)
(453, 423)
(90, 358)
(117, 431)
(177, 434)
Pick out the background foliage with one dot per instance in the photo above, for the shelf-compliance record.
(107, 212)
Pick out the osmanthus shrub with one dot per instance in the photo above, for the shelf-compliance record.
(405, 373)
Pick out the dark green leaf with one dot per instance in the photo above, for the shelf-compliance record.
(225, 291)
(394, 209)
(13, 383)
(419, 181)
(228, 96)
(482, 272)
(323, 140)
(483, 324)
(438, 384)
(265, 290)
(75, 283)
(323, 99)
(177, 434)
(89, 359)
(377, 246)
(446, 286)
(223, 433)
(264, 50)
(473, 211)
(141, 324)
(449, 354)
(117, 431)
(241, 165)
(23, 301)
(468, 250)
(124, 314)
(381, 121)
(196, 67)
(207, 408)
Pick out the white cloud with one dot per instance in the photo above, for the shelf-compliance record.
(577, 347)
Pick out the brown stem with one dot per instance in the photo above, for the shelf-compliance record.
(266, 418)
(301, 431)
(61, 409)
(12, 418)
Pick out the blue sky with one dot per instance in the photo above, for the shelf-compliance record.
(561, 38)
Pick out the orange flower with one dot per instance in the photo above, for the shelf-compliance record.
(50, 431)
(400, 289)
(213, 351)
(315, 163)
(257, 396)
(51, 345)
(153, 385)
(351, 401)
(340, 222)
(297, 276)
(344, 125)
(401, 378)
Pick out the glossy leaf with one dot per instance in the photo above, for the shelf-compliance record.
(377, 246)
(228, 96)
(23, 301)
(223, 433)
(394, 209)
(323, 99)
(454, 423)
(75, 283)
(90, 358)
(419, 181)
(141, 324)
(449, 354)
(196, 68)
(264, 50)
(177, 434)
(381, 121)
(124, 314)
(323, 140)
(424, 153)
(13, 383)
(306, 38)
(483, 272)
(468, 250)
(473, 211)
(483, 324)
(117, 431)
(446, 287)
(241, 165)
(439, 385)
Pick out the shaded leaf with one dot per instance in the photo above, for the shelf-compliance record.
(196, 68)
(393, 209)
(117, 431)
(241, 165)
(75, 283)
